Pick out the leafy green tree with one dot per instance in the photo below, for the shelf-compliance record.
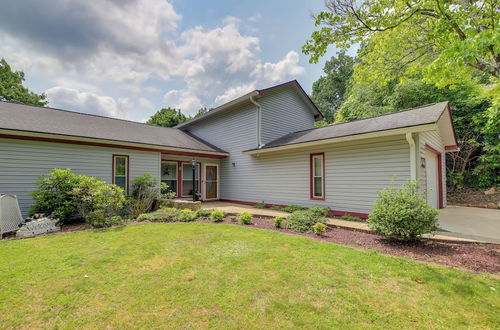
(447, 41)
(329, 90)
(12, 89)
(201, 111)
(167, 117)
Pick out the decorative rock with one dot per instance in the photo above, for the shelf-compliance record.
(492, 206)
(490, 191)
(36, 226)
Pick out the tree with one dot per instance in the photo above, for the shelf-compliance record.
(12, 89)
(167, 117)
(445, 40)
(329, 90)
(201, 111)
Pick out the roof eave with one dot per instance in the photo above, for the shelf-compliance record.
(347, 138)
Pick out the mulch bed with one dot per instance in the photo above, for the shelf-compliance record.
(474, 257)
(472, 198)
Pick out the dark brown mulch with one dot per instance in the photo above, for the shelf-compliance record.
(471, 256)
(471, 197)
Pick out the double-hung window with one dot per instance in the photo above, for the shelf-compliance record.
(187, 179)
(317, 168)
(169, 172)
(120, 171)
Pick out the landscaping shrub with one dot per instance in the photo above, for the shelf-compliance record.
(217, 215)
(320, 211)
(97, 219)
(162, 215)
(350, 218)
(319, 228)
(245, 218)
(146, 191)
(293, 208)
(403, 213)
(204, 213)
(278, 221)
(303, 221)
(188, 215)
(260, 205)
(278, 208)
(69, 196)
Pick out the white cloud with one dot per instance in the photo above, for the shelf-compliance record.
(134, 46)
(69, 98)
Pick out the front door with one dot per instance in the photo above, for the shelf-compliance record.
(211, 182)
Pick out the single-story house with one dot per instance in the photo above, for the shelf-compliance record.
(260, 147)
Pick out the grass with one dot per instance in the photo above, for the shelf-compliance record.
(195, 275)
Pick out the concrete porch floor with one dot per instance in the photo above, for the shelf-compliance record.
(450, 218)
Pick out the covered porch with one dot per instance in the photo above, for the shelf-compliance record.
(195, 174)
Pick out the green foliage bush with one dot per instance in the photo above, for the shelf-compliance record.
(245, 218)
(217, 215)
(320, 211)
(204, 213)
(260, 205)
(303, 221)
(319, 228)
(278, 208)
(188, 215)
(350, 218)
(162, 215)
(97, 219)
(278, 221)
(293, 208)
(403, 213)
(71, 196)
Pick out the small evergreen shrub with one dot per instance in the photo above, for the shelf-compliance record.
(278, 221)
(303, 221)
(320, 211)
(403, 213)
(204, 213)
(245, 218)
(260, 205)
(217, 215)
(293, 208)
(162, 215)
(350, 218)
(319, 228)
(188, 215)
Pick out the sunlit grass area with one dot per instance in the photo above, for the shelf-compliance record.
(205, 275)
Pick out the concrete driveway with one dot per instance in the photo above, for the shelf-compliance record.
(471, 222)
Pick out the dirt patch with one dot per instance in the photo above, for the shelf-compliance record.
(473, 198)
(474, 257)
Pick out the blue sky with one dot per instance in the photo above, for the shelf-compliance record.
(128, 58)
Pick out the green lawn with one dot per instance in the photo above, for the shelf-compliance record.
(203, 275)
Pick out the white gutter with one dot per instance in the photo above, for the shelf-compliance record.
(413, 160)
(259, 121)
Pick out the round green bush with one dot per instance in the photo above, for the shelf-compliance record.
(278, 221)
(217, 215)
(188, 215)
(245, 218)
(403, 213)
(319, 228)
(320, 211)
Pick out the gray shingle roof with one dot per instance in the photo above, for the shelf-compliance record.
(20, 117)
(427, 114)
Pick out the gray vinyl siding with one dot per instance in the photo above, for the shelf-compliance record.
(432, 138)
(284, 112)
(22, 162)
(354, 173)
(233, 132)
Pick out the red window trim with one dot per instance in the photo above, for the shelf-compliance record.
(311, 176)
(199, 178)
(127, 176)
(440, 174)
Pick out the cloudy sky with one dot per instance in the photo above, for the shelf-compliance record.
(128, 58)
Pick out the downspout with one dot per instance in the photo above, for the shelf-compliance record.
(413, 158)
(259, 140)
